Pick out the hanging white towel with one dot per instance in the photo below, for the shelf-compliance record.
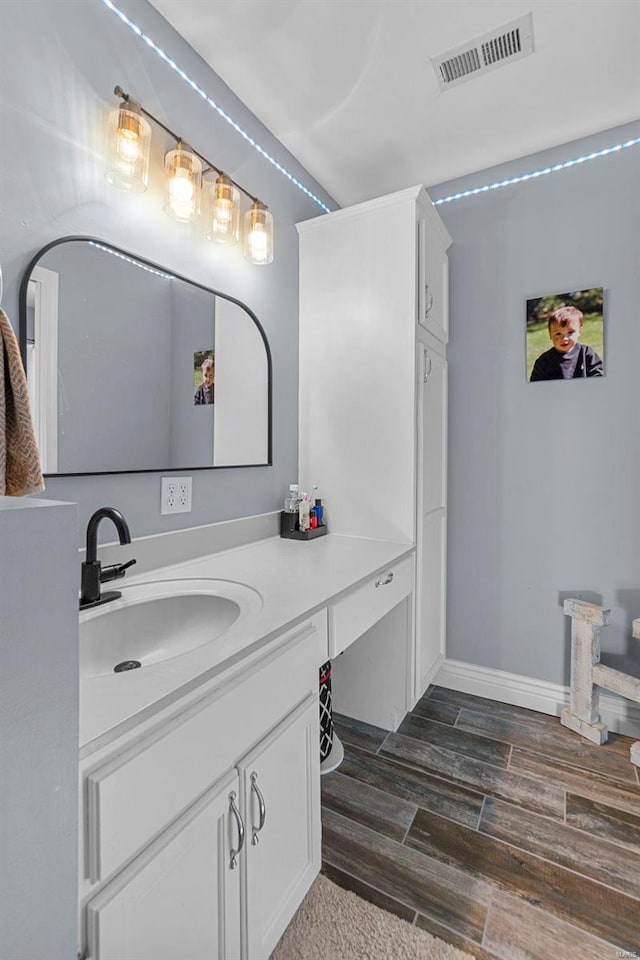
(20, 470)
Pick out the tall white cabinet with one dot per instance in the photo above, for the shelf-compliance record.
(373, 399)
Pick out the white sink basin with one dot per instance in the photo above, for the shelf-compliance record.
(158, 620)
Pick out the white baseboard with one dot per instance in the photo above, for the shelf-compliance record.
(620, 716)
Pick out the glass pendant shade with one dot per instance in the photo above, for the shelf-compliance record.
(129, 146)
(258, 234)
(183, 174)
(223, 217)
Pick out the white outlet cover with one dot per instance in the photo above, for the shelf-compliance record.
(175, 495)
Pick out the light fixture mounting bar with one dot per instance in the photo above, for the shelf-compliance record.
(119, 92)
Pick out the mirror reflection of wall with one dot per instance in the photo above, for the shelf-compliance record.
(242, 378)
(110, 343)
(41, 332)
(193, 327)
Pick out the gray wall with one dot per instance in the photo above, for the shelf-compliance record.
(113, 375)
(38, 730)
(543, 477)
(60, 62)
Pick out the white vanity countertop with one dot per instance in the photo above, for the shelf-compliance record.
(294, 578)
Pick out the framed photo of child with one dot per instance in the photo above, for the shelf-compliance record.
(204, 375)
(565, 335)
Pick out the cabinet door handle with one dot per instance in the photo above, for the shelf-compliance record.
(234, 810)
(427, 365)
(428, 301)
(389, 577)
(261, 807)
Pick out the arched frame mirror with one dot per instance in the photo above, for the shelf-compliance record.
(133, 368)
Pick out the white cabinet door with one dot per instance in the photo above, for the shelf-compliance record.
(181, 897)
(432, 514)
(356, 403)
(281, 787)
(433, 280)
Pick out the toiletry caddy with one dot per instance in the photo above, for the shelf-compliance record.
(303, 516)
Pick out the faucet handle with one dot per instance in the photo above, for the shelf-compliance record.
(115, 572)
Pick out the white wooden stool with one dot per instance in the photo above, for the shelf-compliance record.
(588, 674)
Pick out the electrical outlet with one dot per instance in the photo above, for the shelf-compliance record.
(175, 495)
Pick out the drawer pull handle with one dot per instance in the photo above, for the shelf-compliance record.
(261, 807)
(234, 810)
(387, 579)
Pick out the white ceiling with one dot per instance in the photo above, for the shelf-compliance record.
(348, 87)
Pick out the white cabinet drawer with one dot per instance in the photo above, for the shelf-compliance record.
(137, 794)
(354, 613)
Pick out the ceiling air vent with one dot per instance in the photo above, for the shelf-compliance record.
(510, 42)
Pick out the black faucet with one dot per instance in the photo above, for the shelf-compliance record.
(92, 573)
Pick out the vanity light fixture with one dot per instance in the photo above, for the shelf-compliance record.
(130, 142)
(185, 169)
(183, 174)
(223, 215)
(258, 234)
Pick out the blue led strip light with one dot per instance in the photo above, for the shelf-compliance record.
(538, 173)
(301, 186)
(194, 86)
(136, 263)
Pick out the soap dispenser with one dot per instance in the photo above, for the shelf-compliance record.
(289, 520)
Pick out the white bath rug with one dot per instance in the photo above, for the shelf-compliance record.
(335, 924)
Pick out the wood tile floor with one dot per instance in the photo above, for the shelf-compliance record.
(492, 827)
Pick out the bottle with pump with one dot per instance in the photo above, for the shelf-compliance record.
(292, 502)
(304, 512)
(291, 508)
